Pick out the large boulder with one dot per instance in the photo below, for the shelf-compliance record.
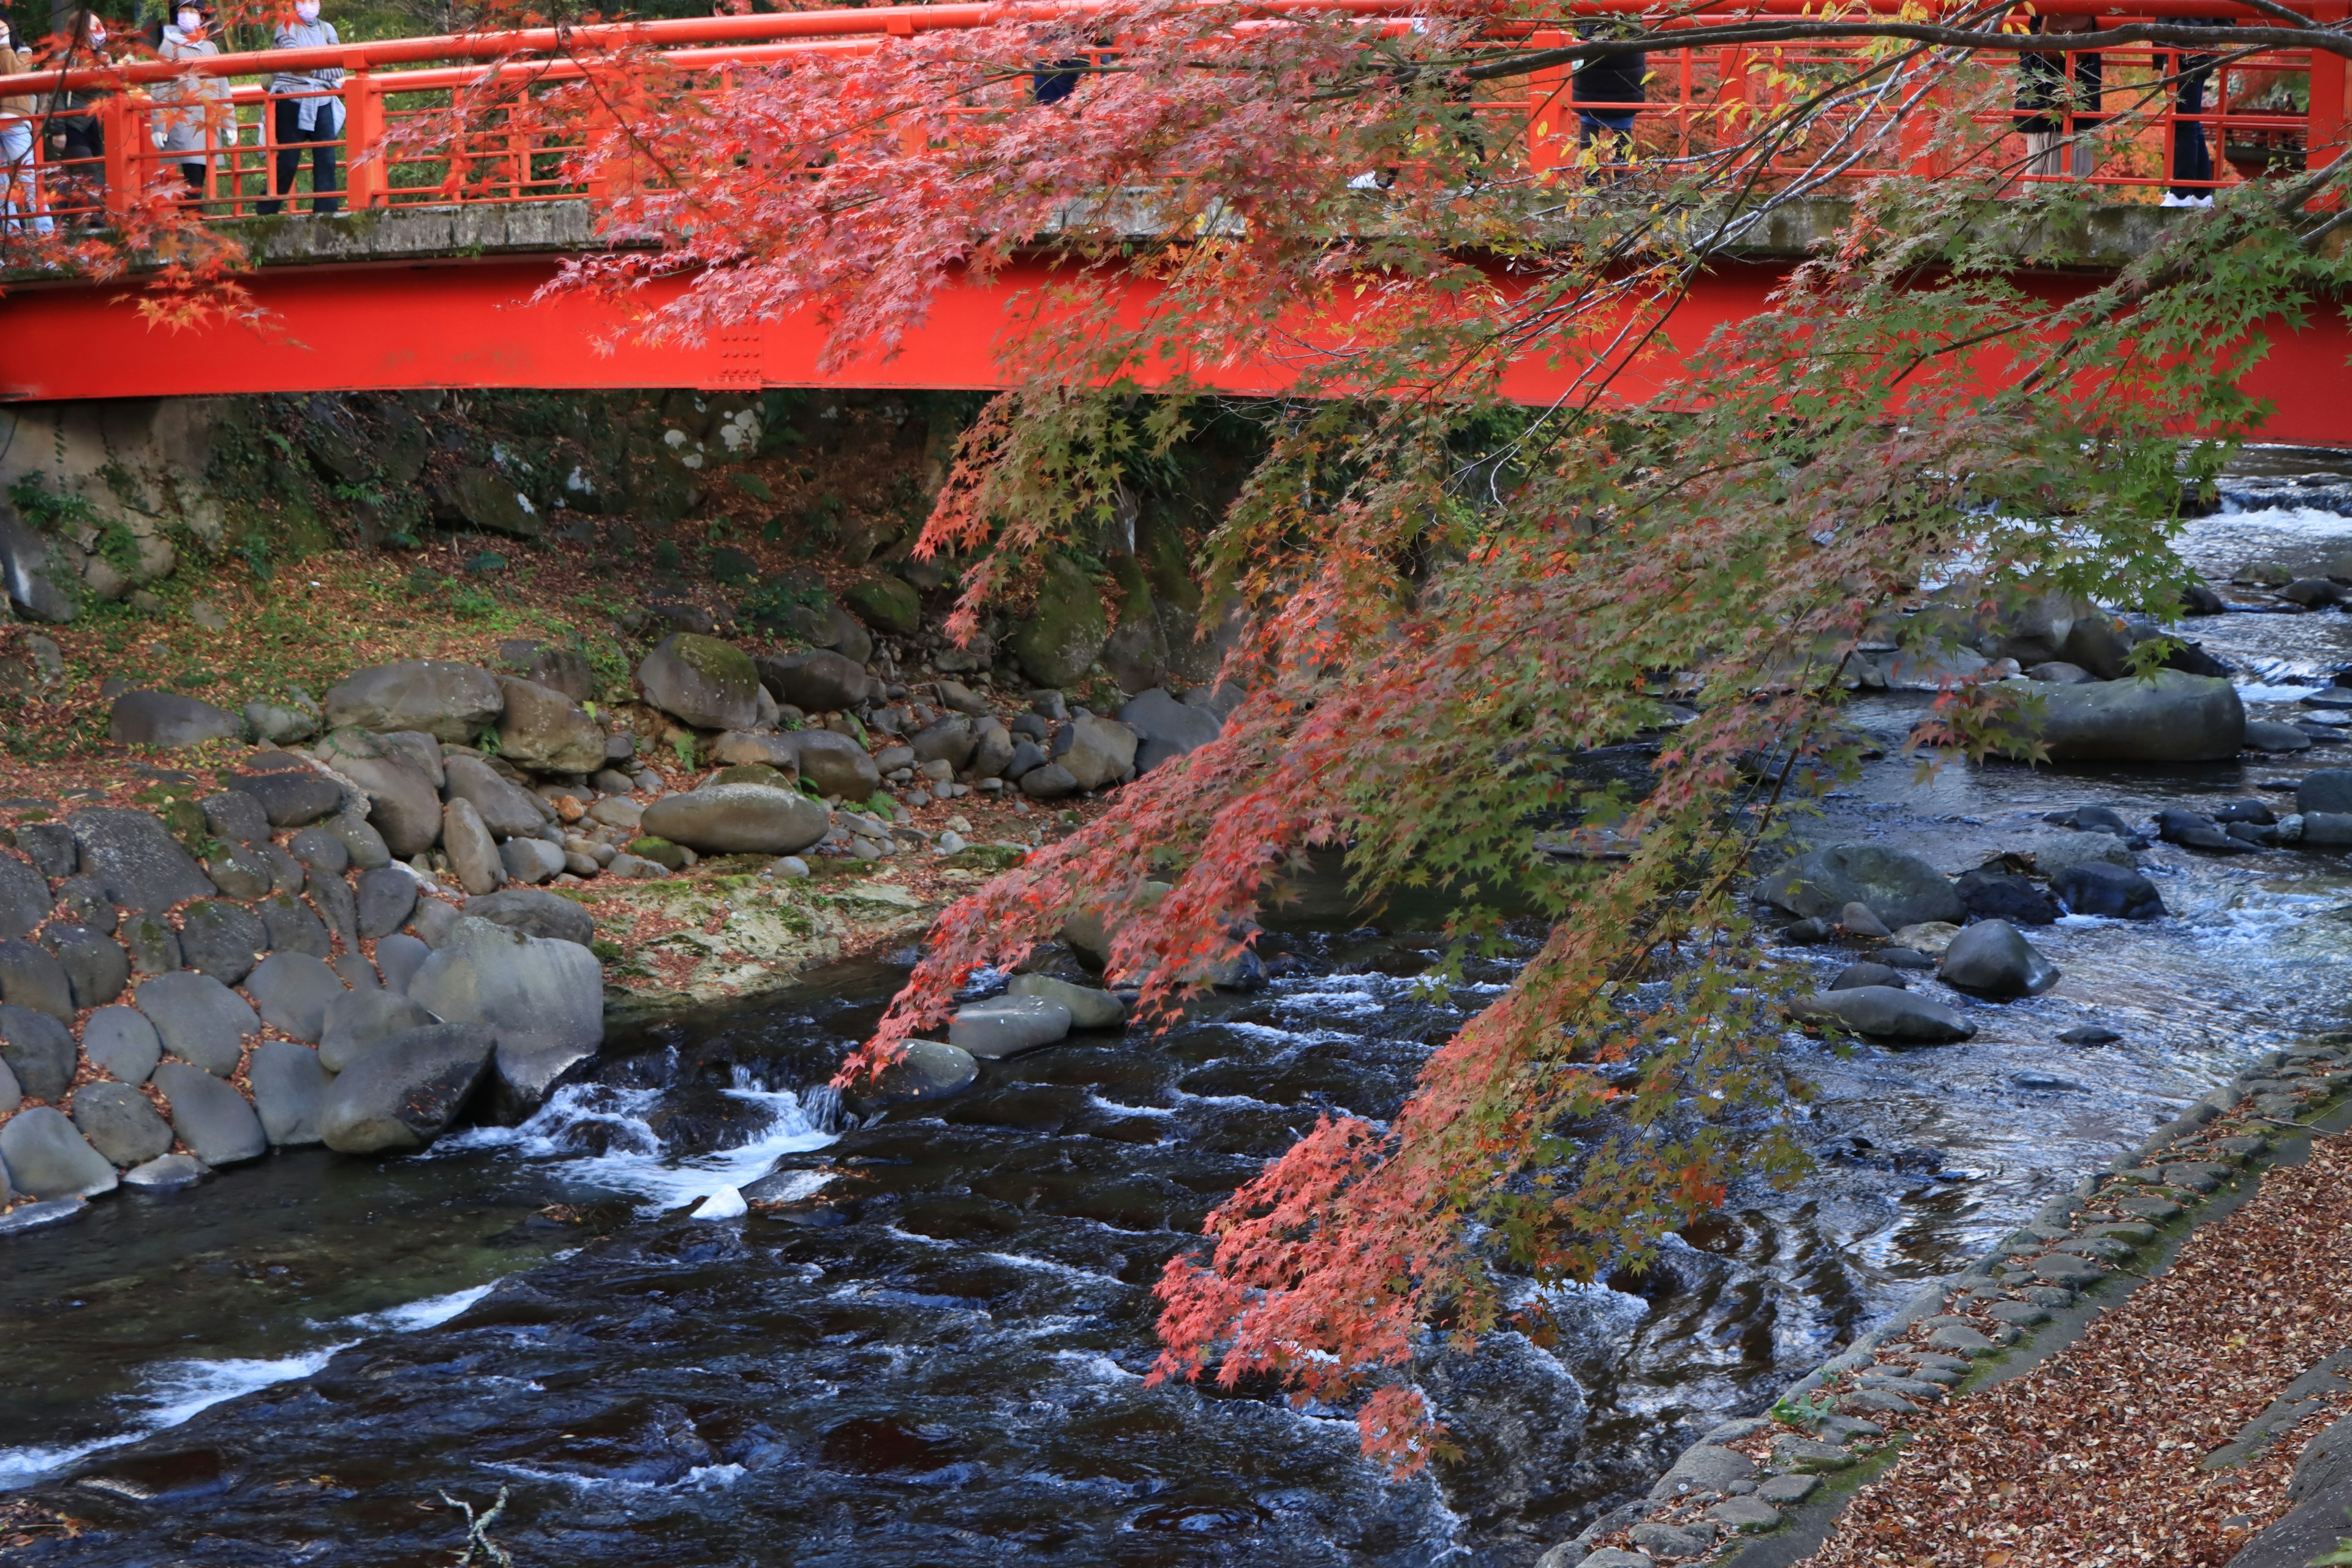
(30, 977)
(1095, 750)
(167, 719)
(560, 669)
(506, 808)
(384, 899)
(95, 966)
(401, 1095)
(38, 1051)
(31, 573)
(119, 1124)
(135, 859)
(1991, 958)
(1993, 894)
(404, 804)
(1900, 887)
(359, 1021)
(885, 604)
(473, 853)
(948, 738)
(536, 913)
(222, 939)
(2118, 892)
(485, 499)
(546, 732)
(738, 819)
(212, 1119)
(2168, 718)
(290, 797)
(1008, 1026)
(1166, 728)
(1886, 1014)
(25, 900)
(2327, 791)
(819, 683)
(1089, 1008)
(748, 748)
(923, 1069)
(44, 1157)
(120, 1043)
(834, 765)
(701, 681)
(448, 702)
(543, 1000)
(198, 1019)
(293, 992)
(289, 1091)
(1059, 641)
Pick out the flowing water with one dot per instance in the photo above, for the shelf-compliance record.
(933, 1351)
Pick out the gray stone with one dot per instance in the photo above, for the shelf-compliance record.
(1166, 728)
(198, 1019)
(1705, 1469)
(289, 1091)
(1854, 976)
(742, 748)
(358, 1021)
(222, 939)
(834, 765)
(2325, 791)
(535, 912)
(2095, 888)
(1961, 1339)
(560, 669)
(820, 682)
(701, 681)
(235, 816)
(332, 898)
(136, 859)
(2169, 717)
(1810, 1458)
(211, 1118)
(448, 702)
(286, 873)
(950, 739)
(360, 841)
(738, 819)
(533, 860)
(1900, 887)
(152, 945)
(404, 804)
(81, 902)
(1095, 750)
(281, 723)
(925, 1070)
(624, 814)
(47, 1158)
(34, 1217)
(433, 921)
(293, 992)
(356, 971)
(50, 847)
(419, 750)
(473, 853)
(96, 967)
(25, 900)
(2017, 1314)
(508, 810)
(1089, 1008)
(292, 927)
(543, 999)
(1993, 958)
(167, 1173)
(2270, 735)
(320, 850)
(1613, 1557)
(1008, 1026)
(290, 798)
(241, 871)
(1786, 1490)
(401, 1095)
(1050, 782)
(31, 571)
(1886, 1014)
(38, 1051)
(386, 898)
(546, 731)
(11, 1097)
(1661, 1540)
(120, 1043)
(119, 1124)
(400, 956)
(167, 719)
(2065, 1269)
(30, 977)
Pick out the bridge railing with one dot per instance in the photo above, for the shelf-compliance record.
(193, 131)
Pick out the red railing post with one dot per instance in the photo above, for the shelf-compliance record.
(2324, 137)
(366, 181)
(1551, 121)
(1920, 134)
(117, 122)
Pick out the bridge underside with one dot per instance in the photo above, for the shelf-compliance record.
(366, 305)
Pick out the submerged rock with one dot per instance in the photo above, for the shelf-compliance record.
(2168, 717)
(1884, 1014)
(2095, 888)
(1900, 888)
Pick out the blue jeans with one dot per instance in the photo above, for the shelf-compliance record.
(19, 201)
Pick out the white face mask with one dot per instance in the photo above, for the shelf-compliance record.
(307, 12)
(96, 37)
(191, 23)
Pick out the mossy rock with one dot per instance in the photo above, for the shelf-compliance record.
(885, 604)
(754, 772)
(985, 857)
(728, 564)
(660, 851)
(486, 500)
(1066, 633)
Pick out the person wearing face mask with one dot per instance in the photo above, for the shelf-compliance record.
(198, 120)
(78, 141)
(21, 198)
(307, 108)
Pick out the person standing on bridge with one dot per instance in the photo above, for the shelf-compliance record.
(1608, 93)
(308, 107)
(77, 138)
(2057, 122)
(23, 196)
(202, 122)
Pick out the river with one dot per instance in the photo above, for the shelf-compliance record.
(934, 1352)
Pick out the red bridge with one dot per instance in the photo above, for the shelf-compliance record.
(425, 279)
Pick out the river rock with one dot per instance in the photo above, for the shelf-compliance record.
(836, 765)
(473, 853)
(167, 719)
(1885, 1014)
(338, 907)
(294, 797)
(419, 750)
(404, 804)
(2325, 790)
(2194, 830)
(1929, 939)
(2054, 860)
(1900, 887)
(1008, 1026)
(745, 748)
(531, 860)
(81, 902)
(2095, 888)
(222, 939)
(198, 1019)
(1991, 959)
(738, 819)
(1854, 976)
(701, 681)
(2168, 718)
(120, 1043)
(820, 682)
(292, 927)
(167, 1173)
(1069, 626)
(30, 977)
(1051, 781)
(281, 723)
(320, 850)
(289, 1091)
(95, 966)
(385, 899)
(1089, 1008)
(136, 859)
(543, 999)
(536, 913)
(923, 1070)
(399, 957)
(1708, 1467)
(31, 567)
(241, 871)
(1166, 728)
(119, 1123)
(362, 843)
(24, 897)
(293, 992)
(1095, 750)
(38, 1051)
(448, 702)
(11, 1097)
(49, 845)
(948, 739)
(152, 945)
(401, 1095)
(47, 1158)
(1990, 894)
(2270, 735)
(1027, 758)
(546, 731)
(507, 809)
(212, 1119)
(358, 1021)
